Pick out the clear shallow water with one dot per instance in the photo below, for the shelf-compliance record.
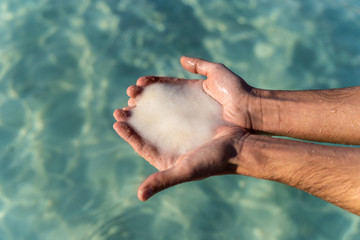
(64, 67)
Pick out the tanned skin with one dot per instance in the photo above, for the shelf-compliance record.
(328, 172)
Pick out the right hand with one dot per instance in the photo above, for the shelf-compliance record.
(219, 156)
(230, 90)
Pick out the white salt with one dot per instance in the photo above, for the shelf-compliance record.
(176, 118)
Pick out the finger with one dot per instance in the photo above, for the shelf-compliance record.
(127, 108)
(147, 80)
(132, 102)
(160, 181)
(122, 115)
(133, 91)
(199, 66)
(142, 147)
(128, 134)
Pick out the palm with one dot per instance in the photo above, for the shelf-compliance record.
(214, 157)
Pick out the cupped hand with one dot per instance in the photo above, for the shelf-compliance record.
(227, 88)
(217, 157)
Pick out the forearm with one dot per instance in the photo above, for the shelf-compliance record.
(318, 115)
(330, 173)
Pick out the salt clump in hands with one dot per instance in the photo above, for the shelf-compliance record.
(175, 118)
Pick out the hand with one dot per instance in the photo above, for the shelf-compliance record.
(230, 90)
(216, 157)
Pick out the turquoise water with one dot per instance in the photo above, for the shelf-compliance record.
(64, 68)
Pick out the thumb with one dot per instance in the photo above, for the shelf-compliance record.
(197, 65)
(160, 181)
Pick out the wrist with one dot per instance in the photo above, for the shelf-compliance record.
(266, 111)
(250, 161)
(255, 109)
(266, 157)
